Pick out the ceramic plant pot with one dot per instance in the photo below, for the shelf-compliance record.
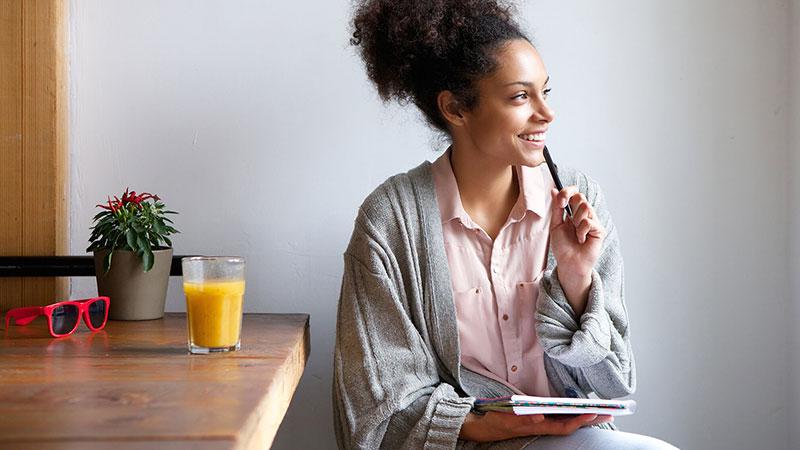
(134, 293)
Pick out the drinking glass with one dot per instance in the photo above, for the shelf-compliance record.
(214, 288)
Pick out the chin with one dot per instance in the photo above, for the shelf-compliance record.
(534, 160)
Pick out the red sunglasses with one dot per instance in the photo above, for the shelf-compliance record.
(63, 317)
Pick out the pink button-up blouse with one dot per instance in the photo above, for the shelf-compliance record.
(496, 283)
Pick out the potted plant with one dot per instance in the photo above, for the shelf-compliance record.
(133, 255)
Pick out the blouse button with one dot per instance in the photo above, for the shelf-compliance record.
(505, 316)
(477, 290)
(513, 368)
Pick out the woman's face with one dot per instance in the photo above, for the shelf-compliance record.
(509, 122)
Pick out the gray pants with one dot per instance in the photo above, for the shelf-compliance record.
(598, 439)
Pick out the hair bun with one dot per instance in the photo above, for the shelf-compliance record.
(413, 50)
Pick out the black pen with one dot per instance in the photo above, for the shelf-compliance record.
(554, 173)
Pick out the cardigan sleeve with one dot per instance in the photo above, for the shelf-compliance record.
(386, 390)
(597, 344)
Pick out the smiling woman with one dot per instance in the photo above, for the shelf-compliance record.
(462, 278)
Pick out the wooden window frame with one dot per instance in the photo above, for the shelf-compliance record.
(34, 165)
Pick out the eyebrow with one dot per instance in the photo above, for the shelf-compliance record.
(528, 83)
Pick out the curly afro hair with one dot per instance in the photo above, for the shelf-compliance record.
(414, 49)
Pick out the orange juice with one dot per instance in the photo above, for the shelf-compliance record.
(214, 312)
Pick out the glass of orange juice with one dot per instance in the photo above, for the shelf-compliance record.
(214, 288)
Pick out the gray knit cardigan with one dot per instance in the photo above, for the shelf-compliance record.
(397, 378)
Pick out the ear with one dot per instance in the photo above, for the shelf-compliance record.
(450, 108)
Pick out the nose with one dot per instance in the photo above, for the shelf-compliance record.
(543, 113)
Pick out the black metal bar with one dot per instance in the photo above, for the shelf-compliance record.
(60, 266)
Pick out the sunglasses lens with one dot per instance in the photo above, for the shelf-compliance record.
(97, 313)
(65, 317)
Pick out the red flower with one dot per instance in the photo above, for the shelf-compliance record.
(112, 206)
(128, 197)
(146, 196)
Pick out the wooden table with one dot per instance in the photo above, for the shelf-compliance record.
(133, 385)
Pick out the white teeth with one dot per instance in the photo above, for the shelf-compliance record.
(534, 137)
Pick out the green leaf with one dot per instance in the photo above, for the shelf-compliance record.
(115, 237)
(107, 262)
(166, 239)
(142, 243)
(158, 227)
(130, 236)
(147, 258)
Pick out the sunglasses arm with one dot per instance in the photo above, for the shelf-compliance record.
(24, 316)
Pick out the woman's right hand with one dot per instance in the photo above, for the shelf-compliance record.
(498, 426)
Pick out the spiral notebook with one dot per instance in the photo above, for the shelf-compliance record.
(525, 404)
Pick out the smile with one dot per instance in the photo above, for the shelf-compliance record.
(533, 137)
(535, 140)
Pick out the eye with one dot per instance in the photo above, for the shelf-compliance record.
(546, 92)
(520, 96)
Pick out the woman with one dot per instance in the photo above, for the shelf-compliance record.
(463, 278)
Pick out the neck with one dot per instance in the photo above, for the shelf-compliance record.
(485, 184)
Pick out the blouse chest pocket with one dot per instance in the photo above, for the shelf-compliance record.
(526, 294)
(476, 314)
(525, 299)
(472, 300)
(530, 286)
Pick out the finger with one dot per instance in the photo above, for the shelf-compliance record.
(565, 427)
(597, 230)
(536, 418)
(576, 199)
(559, 202)
(601, 419)
(589, 228)
(581, 211)
(581, 421)
(566, 194)
(584, 228)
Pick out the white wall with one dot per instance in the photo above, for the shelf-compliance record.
(256, 121)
